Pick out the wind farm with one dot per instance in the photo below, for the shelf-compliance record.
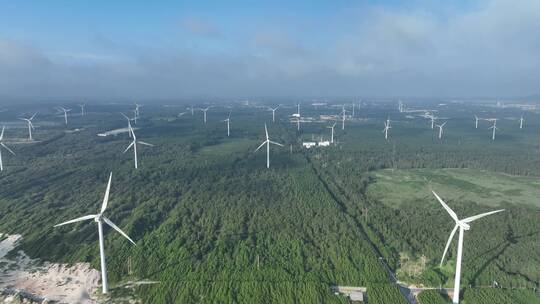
(252, 152)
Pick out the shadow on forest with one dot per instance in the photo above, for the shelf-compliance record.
(510, 239)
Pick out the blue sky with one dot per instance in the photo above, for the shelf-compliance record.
(181, 49)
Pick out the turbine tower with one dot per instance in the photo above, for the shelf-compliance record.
(2, 145)
(267, 142)
(386, 128)
(494, 127)
(274, 113)
(343, 112)
(298, 112)
(332, 127)
(134, 145)
(65, 113)
(204, 111)
(521, 122)
(99, 219)
(30, 125)
(441, 129)
(353, 109)
(476, 119)
(228, 120)
(462, 225)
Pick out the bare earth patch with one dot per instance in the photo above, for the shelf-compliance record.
(56, 282)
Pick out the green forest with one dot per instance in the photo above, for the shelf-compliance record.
(213, 225)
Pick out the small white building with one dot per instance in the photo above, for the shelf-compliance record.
(325, 143)
(309, 144)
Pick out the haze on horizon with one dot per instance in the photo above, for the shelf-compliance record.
(136, 49)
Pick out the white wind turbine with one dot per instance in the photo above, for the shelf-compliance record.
(30, 125)
(267, 142)
(99, 219)
(353, 109)
(476, 119)
(441, 129)
(82, 105)
(65, 113)
(228, 121)
(332, 127)
(298, 113)
(343, 112)
(137, 106)
(433, 118)
(134, 145)
(204, 111)
(386, 128)
(129, 123)
(2, 145)
(274, 113)
(521, 122)
(494, 127)
(462, 225)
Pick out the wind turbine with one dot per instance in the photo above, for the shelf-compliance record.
(462, 225)
(30, 125)
(2, 145)
(137, 106)
(343, 112)
(204, 111)
(476, 119)
(521, 122)
(129, 123)
(134, 145)
(192, 111)
(99, 219)
(298, 110)
(298, 123)
(267, 142)
(441, 129)
(332, 127)
(400, 106)
(65, 113)
(353, 109)
(386, 128)
(228, 120)
(433, 118)
(494, 127)
(274, 113)
(82, 105)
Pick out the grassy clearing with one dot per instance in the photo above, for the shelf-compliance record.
(483, 187)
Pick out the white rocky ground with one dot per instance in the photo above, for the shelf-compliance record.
(38, 281)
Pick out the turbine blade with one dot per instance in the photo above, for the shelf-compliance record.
(7, 148)
(2, 135)
(275, 143)
(261, 145)
(145, 143)
(110, 223)
(266, 131)
(106, 197)
(33, 116)
(474, 218)
(448, 243)
(82, 218)
(448, 209)
(131, 144)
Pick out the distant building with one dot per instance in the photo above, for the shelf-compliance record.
(309, 144)
(325, 143)
(357, 296)
(296, 115)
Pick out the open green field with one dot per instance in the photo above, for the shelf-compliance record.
(392, 187)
